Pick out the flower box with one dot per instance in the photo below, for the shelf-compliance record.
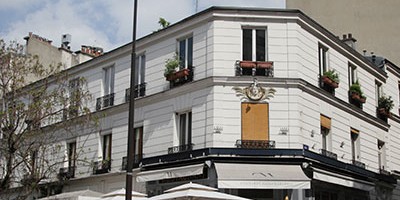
(357, 97)
(328, 81)
(177, 75)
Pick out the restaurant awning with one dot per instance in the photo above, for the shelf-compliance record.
(261, 176)
(338, 179)
(175, 172)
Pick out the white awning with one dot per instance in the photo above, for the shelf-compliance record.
(170, 173)
(338, 179)
(261, 176)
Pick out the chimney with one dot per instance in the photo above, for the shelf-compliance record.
(349, 40)
(65, 41)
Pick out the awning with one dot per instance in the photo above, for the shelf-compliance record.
(175, 172)
(261, 176)
(338, 179)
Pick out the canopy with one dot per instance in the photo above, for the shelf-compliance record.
(77, 195)
(120, 195)
(194, 191)
(261, 176)
(175, 172)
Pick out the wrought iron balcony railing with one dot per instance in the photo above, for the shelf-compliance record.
(105, 101)
(67, 172)
(181, 148)
(329, 154)
(136, 161)
(254, 68)
(102, 167)
(358, 164)
(140, 91)
(255, 144)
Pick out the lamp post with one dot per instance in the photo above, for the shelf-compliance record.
(131, 117)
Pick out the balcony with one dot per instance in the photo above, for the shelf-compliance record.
(254, 68)
(181, 148)
(105, 101)
(136, 161)
(255, 144)
(329, 154)
(180, 77)
(140, 91)
(66, 173)
(102, 167)
(358, 164)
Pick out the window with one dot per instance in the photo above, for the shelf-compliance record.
(323, 59)
(71, 148)
(138, 140)
(185, 53)
(352, 74)
(139, 76)
(378, 92)
(355, 144)
(108, 80)
(254, 45)
(74, 87)
(185, 129)
(381, 155)
(107, 141)
(255, 121)
(325, 129)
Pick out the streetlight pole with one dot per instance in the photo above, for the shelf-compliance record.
(131, 117)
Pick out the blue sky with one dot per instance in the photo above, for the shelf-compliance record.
(103, 23)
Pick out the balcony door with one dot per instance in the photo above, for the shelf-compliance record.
(255, 121)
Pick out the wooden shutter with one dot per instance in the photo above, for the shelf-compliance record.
(255, 121)
(325, 122)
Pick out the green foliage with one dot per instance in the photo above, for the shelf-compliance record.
(163, 23)
(385, 102)
(356, 88)
(171, 65)
(332, 74)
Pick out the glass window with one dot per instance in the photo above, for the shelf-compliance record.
(378, 92)
(185, 128)
(138, 140)
(354, 144)
(107, 141)
(185, 53)
(352, 74)
(323, 60)
(71, 154)
(108, 80)
(140, 69)
(254, 45)
(381, 154)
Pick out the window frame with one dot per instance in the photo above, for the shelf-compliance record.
(106, 147)
(108, 80)
(323, 60)
(352, 74)
(140, 69)
(381, 154)
(184, 132)
(378, 92)
(254, 42)
(185, 58)
(355, 143)
(71, 156)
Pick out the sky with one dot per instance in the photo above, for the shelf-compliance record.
(101, 23)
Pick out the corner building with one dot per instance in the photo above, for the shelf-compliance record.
(249, 114)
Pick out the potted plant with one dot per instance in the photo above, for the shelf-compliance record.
(171, 66)
(356, 93)
(385, 104)
(331, 78)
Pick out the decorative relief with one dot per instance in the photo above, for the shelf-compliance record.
(254, 92)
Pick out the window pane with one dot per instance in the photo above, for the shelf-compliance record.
(106, 81)
(137, 71)
(260, 45)
(142, 68)
(112, 80)
(189, 135)
(190, 52)
(182, 131)
(247, 44)
(182, 53)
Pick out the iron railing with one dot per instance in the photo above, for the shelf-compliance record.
(329, 154)
(136, 161)
(105, 101)
(101, 167)
(358, 164)
(140, 91)
(67, 172)
(255, 144)
(180, 148)
(254, 68)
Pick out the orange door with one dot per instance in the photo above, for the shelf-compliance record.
(255, 121)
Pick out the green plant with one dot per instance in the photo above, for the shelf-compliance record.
(171, 65)
(332, 74)
(385, 103)
(356, 88)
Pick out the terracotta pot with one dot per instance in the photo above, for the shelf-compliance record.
(247, 64)
(264, 64)
(355, 96)
(330, 82)
(179, 74)
(384, 112)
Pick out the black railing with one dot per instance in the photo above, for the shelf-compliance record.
(383, 171)
(136, 161)
(358, 164)
(105, 101)
(67, 172)
(180, 148)
(329, 154)
(181, 80)
(102, 167)
(254, 68)
(140, 91)
(255, 144)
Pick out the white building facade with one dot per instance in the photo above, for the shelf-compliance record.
(250, 115)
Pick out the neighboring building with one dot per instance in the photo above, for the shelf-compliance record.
(50, 55)
(250, 114)
(374, 23)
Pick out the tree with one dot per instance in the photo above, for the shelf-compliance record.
(34, 117)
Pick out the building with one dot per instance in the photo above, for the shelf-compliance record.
(373, 24)
(249, 111)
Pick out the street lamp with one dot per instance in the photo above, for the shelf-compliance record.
(131, 117)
